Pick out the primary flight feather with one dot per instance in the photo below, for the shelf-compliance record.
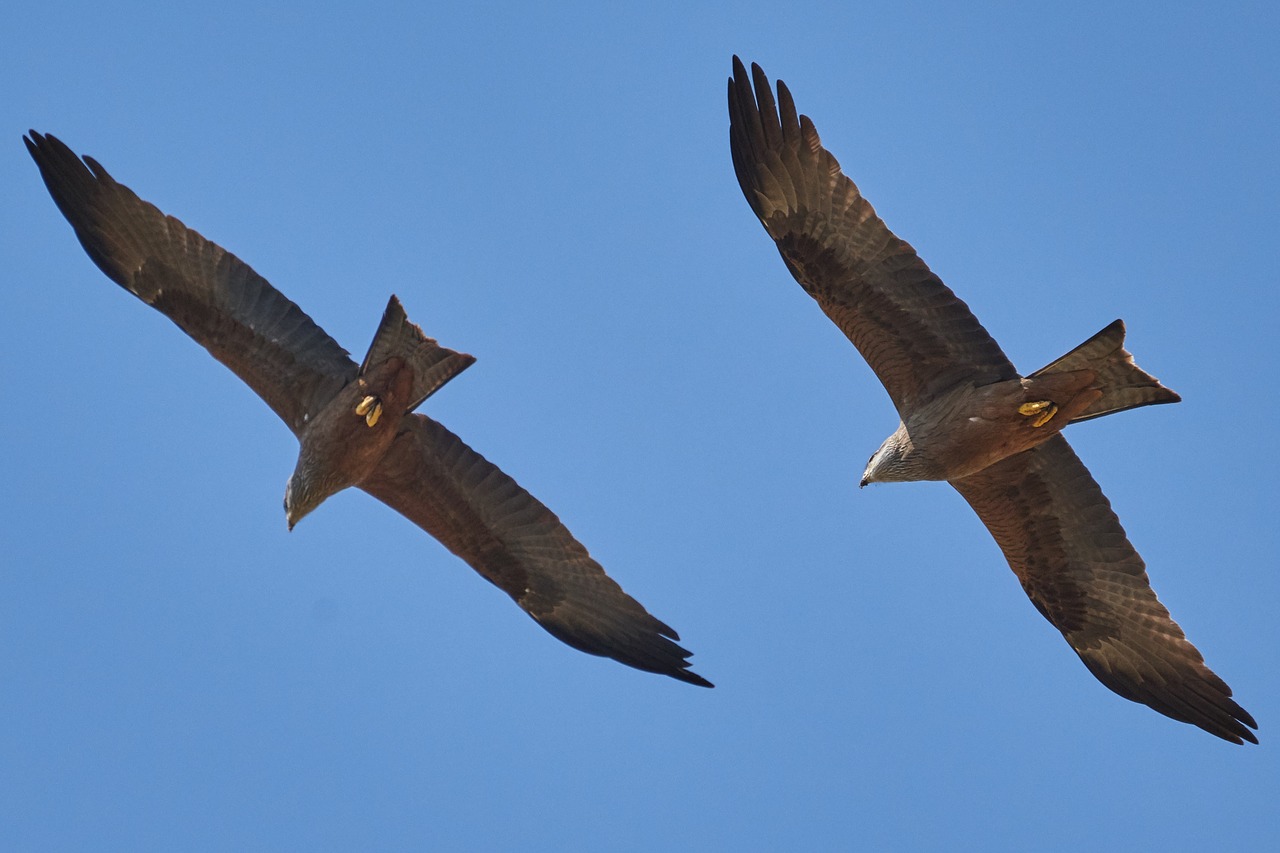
(355, 423)
(968, 417)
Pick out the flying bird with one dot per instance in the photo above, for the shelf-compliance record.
(355, 422)
(968, 417)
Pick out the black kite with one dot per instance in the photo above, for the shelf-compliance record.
(969, 418)
(355, 423)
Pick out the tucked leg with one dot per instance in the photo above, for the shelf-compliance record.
(371, 408)
(1042, 410)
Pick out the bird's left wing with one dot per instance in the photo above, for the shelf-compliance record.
(1066, 545)
(917, 335)
(479, 513)
(212, 295)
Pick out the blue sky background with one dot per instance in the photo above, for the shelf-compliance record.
(550, 189)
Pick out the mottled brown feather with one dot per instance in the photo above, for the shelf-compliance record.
(918, 336)
(1066, 545)
(479, 513)
(1124, 385)
(212, 295)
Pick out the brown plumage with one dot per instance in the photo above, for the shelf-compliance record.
(355, 423)
(968, 417)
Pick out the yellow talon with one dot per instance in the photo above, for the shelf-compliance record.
(371, 408)
(1044, 410)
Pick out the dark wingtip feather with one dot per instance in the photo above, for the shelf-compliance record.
(688, 676)
(680, 671)
(648, 645)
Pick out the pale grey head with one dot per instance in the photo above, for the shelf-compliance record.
(897, 461)
(310, 485)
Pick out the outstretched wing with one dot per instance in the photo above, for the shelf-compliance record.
(212, 295)
(1068, 549)
(504, 533)
(918, 337)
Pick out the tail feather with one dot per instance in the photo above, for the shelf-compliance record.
(432, 364)
(1124, 385)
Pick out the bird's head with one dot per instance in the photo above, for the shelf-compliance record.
(879, 462)
(894, 462)
(296, 504)
(309, 486)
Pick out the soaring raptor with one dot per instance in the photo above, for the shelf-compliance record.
(354, 422)
(968, 417)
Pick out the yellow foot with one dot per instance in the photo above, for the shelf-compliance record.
(371, 408)
(1044, 410)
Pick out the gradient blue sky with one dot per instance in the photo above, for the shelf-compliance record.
(551, 191)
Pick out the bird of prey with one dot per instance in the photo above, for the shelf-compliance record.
(968, 417)
(354, 422)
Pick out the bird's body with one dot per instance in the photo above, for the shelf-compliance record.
(968, 417)
(345, 442)
(338, 447)
(355, 424)
(970, 427)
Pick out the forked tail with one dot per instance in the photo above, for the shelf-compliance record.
(1124, 385)
(432, 364)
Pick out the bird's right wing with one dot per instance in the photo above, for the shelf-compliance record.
(479, 513)
(212, 295)
(918, 337)
(1066, 545)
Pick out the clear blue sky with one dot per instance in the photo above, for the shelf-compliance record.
(551, 191)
